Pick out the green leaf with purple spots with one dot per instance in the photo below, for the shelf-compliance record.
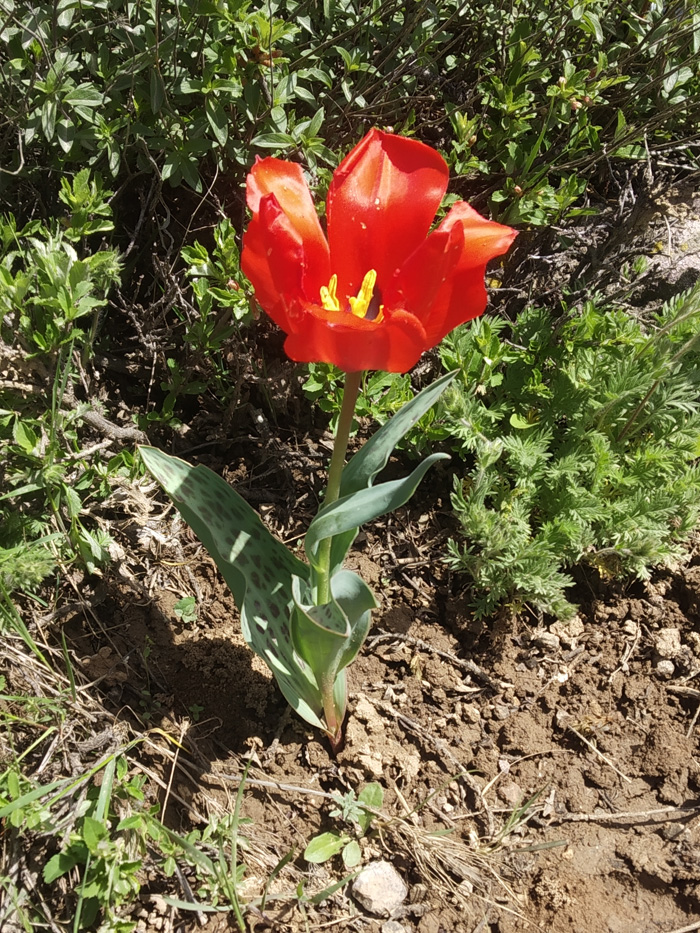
(258, 569)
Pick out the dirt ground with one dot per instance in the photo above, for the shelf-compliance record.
(542, 777)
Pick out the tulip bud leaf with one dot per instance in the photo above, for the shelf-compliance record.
(328, 637)
(258, 569)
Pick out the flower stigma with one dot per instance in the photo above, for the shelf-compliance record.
(365, 304)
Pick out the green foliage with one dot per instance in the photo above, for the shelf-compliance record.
(381, 394)
(552, 88)
(353, 810)
(117, 85)
(217, 282)
(104, 833)
(535, 95)
(53, 289)
(583, 440)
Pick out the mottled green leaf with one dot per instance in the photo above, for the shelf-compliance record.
(258, 569)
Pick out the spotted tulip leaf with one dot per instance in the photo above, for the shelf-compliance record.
(258, 569)
(342, 518)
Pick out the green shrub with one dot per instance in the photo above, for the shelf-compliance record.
(535, 96)
(583, 437)
(53, 289)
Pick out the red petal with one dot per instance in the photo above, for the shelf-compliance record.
(381, 203)
(353, 344)
(285, 180)
(273, 259)
(417, 285)
(483, 239)
(443, 281)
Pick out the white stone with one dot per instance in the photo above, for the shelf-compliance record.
(569, 631)
(668, 642)
(380, 889)
(546, 640)
(665, 669)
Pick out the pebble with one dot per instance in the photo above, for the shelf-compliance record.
(512, 793)
(393, 926)
(668, 642)
(501, 712)
(569, 632)
(547, 640)
(665, 669)
(380, 889)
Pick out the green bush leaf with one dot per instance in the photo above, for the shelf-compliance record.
(157, 90)
(93, 833)
(24, 437)
(84, 95)
(58, 865)
(218, 121)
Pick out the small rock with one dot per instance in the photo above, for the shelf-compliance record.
(512, 793)
(501, 712)
(668, 642)
(693, 639)
(471, 714)
(393, 926)
(569, 631)
(665, 669)
(547, 640)
(629, 627)
(380, 889)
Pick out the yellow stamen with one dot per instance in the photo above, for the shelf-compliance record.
(359, 306)
(329, 299)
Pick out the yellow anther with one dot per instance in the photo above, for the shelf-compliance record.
(329, 299)
(360, 305)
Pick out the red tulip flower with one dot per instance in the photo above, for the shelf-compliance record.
(381, 288)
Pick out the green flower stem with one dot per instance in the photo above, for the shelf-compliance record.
(335, 474)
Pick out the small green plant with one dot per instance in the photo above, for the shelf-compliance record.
(353, 811)
(582, 440)
(186, 609)
(219, 285)
(53, 291)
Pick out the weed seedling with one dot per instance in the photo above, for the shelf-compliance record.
(353, 811)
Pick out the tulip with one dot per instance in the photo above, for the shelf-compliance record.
(380, 288)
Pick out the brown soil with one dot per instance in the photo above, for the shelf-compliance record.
(563, 759)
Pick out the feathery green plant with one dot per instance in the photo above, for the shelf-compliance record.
(583, 437)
